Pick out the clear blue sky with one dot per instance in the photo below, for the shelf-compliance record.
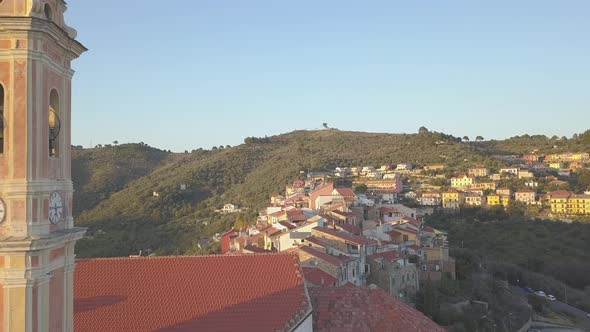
(183, 74)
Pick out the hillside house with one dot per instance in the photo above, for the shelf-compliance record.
(346, 269)
(474, 199)
(430, 199)
(504, 191)
(525, 196)
(404, 167)
(231, 208)
(479, 171)
(509, 170)
(453, 199)
(392, 272)
(525, 174)
(435, 262)
(462, 181)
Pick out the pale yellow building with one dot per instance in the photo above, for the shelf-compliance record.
(558, 201)
(473, 199)
(463, 181)
(579, 205)
(453, 199)
(479, 171)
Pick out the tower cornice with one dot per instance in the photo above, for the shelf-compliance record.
(14, 245)
(15, 24)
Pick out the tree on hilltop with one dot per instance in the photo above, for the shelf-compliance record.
(423, 130)
(479, 138)
(466, 138)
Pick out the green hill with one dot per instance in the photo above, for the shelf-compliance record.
(115, 185)
(544, 145)
(99, 172)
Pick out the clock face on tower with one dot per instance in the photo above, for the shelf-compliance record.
(56, 209)
(2, 211)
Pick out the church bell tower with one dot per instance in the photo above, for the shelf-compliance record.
(37, 233)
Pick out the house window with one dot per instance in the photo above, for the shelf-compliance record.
(2, 124)
(54, 123)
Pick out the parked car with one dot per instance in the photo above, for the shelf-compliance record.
(528, 290)
(551, 298)
(540, 293)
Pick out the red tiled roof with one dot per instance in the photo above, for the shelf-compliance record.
(412, 221)
(346, 192)
(560, 194)
(385, 210)
(351, 229)
(333, 260)
(288, 225)
(407, 230)
(388, 255)
(277, 214)
(428, 229)
(393, 233)
(295, 215)
(203, 293)
(361, 240)
(323, 190)
(272, 231)
(318, 277)
(262, 226)
(317, 241)
(351, 308)
(334, 207)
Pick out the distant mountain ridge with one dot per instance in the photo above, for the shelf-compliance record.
(133, 197)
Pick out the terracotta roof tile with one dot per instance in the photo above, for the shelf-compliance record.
(318, 277)
(332, 260)
(351, 308)
(391, 256)
(346, 192)
(206, 293)
(560, 194)
(317, 241)
(361, 240)
(352, 229)
(288, 225)
(385, 210)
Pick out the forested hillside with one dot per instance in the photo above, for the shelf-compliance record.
(115, 185)
(539, 143)
(133, 197)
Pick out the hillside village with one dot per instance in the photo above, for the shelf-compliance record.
(391, 224)
(365, 225)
